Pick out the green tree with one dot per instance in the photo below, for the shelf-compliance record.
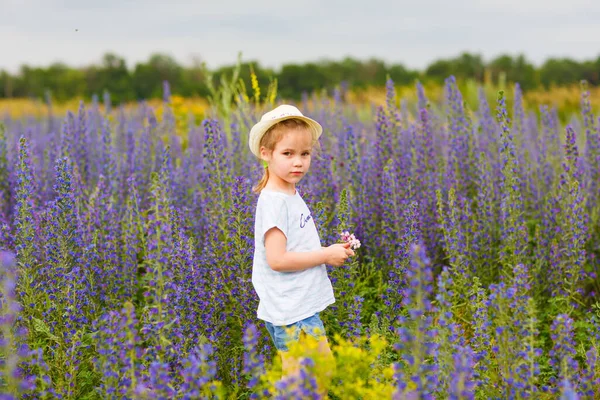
(31, 81)
(64, 82)
(439, 70)
(560, 71)
(515, 69)
(401, 75)
(194, 80)
(112, 75)
(372, 72)
(295, 79)
(148, 77)
(464, 66)
(6, 82)
(590, 71)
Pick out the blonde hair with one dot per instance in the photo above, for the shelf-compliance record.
(270, 140)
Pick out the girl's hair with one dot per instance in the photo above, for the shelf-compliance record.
(270, 140)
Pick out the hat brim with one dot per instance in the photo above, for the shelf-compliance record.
(258, 131)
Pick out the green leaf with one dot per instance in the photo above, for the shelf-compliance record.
(41, 327)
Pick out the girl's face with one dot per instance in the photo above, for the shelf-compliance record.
(290, 160)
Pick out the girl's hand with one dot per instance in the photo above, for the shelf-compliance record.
(337, 254)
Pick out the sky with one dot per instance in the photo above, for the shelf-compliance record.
(413, 33)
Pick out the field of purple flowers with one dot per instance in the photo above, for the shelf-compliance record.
(126, 252)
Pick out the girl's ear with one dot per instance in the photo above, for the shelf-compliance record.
(265, 154)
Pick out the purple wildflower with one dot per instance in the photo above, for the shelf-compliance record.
(254, 362)
(562, 355)
(416, 333)
(462, 385)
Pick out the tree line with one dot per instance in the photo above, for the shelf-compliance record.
(145, 79)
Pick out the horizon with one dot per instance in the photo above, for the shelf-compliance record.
(130, 64)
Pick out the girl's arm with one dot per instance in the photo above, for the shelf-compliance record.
(281, 260)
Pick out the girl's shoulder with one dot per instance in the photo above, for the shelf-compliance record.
(268, 193)
(267, 197)
(274, 201)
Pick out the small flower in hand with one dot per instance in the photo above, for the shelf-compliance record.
(350, 238)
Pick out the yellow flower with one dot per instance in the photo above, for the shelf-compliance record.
(255, 86)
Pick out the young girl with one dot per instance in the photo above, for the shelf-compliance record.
(288, 272)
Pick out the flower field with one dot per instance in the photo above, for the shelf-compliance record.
(126, 244)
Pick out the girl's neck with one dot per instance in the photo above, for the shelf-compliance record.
(274, 187)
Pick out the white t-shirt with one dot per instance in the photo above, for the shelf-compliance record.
(288, 297)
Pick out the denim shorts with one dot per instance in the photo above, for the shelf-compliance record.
(285, 334)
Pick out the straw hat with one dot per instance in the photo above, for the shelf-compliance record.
(269, 119)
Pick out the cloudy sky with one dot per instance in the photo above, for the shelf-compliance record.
(79, 32)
